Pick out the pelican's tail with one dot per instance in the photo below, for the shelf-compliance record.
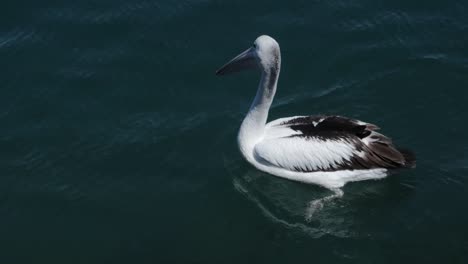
(410, 158)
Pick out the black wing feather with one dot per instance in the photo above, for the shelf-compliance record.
(379, 151)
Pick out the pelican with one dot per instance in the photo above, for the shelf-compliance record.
(326, 150)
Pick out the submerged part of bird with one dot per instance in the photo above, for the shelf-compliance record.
(317, 204)
(325, 150)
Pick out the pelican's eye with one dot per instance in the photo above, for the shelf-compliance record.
(255, 46)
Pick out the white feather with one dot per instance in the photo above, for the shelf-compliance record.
(305, 153)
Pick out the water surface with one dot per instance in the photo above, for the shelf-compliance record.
(118, 143)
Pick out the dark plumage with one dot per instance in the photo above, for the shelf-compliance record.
(373, 150)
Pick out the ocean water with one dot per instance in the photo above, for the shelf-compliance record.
(118, 142)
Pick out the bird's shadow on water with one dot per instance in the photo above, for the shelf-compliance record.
(315, 210)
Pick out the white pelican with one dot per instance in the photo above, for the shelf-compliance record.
(325, 150)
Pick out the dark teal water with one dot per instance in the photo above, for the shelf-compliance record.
(118, 143)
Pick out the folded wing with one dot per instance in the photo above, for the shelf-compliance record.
(328, 143)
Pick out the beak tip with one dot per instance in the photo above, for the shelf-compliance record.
(245, 60)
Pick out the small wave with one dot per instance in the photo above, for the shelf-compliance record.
(357, 25)
(310, 94)
(17, 37)
(76, 73)
(127, 11)
(434, 56)
(156, 126)
(343, 4)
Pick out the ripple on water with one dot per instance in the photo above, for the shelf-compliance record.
(308, 93)
(130, 11)
(315, 211)
(18, 37)
(304, 208)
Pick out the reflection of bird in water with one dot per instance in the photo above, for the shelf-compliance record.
(273, 198)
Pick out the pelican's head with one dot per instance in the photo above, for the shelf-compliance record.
(264, 54)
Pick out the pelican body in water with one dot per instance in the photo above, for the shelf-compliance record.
(325, 150)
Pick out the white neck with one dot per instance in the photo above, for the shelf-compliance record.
(253, 126)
